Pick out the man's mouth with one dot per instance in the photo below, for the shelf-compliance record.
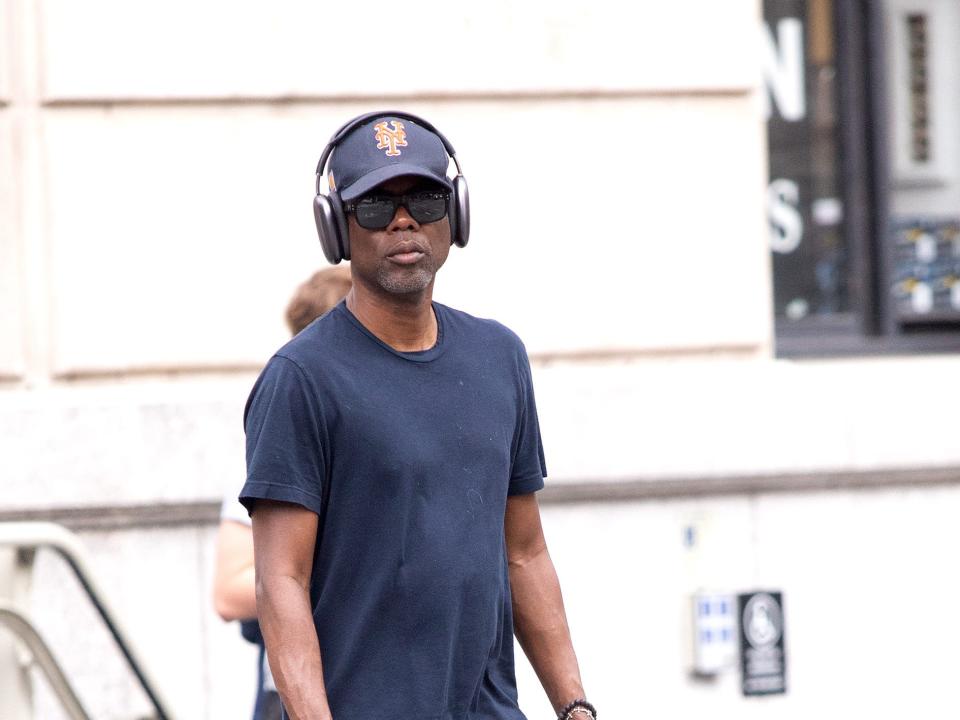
(406, 253)
(406, 258)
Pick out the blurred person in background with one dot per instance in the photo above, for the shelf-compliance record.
(234, 592)
(393, 456)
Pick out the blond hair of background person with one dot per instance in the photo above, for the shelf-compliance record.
(234, 595)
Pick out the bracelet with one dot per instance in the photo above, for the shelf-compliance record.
(580, 705)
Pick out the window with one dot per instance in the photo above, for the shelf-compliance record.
(863, 118)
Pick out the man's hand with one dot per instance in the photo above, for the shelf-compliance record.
(284, 536)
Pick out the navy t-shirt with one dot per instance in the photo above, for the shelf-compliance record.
(407, 459)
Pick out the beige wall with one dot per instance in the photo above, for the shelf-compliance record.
(164, 225)
(11, 353)
(177, 234)
(11, 350)
(6, 52)
(867, 581)
(222, 49)
(865, 599)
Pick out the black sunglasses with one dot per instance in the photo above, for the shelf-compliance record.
(375, 212)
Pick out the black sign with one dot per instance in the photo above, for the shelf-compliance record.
(804, 202)
(762, 657)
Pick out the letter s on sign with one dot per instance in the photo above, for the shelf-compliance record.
(786, 223)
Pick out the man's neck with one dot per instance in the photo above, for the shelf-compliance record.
(405, 323)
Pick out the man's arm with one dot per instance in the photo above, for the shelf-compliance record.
(234, 594)
(539, 620)
(284, 536)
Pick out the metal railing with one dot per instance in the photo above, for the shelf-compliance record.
(20, 625)
(25, 538)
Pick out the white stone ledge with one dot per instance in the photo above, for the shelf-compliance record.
(715, 418)
(610, 426)
(207, 512)
(124, 442)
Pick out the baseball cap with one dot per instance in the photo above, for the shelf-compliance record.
(382, 149)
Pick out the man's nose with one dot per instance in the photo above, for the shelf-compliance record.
(402, 220)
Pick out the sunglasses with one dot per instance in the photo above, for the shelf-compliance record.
(375, 212)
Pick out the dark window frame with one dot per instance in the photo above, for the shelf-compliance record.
(871, 327)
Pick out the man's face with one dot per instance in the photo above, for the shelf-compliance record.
(403, 257)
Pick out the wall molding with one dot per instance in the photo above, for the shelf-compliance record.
(207, 512)
(639, 490)
(121, 517)
(96, 101)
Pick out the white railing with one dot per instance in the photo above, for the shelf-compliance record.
(21, 541)
(18, 623)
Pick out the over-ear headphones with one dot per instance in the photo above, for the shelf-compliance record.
(328, 210)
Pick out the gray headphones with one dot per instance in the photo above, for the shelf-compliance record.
(328, 210)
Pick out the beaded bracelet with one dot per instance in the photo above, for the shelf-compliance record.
(580, 705)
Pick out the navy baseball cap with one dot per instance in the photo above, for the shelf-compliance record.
(382, 149)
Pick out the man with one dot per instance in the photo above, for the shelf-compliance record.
(393, 453)
(234, 587)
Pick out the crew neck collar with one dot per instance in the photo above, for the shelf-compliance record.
(419, 356)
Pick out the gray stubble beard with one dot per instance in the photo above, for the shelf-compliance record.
(405, 283)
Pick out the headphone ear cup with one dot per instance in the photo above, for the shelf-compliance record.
(327, 230)
(452, 217)
(343, 228)
(460, 229)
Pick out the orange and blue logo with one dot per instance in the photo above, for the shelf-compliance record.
(390, 139)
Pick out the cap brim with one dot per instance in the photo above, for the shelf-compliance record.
(375, 177)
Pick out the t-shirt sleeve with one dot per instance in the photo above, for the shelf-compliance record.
(529, 466)
(285, 454)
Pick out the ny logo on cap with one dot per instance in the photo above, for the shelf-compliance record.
(390, 140)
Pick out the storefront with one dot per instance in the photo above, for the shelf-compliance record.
(864, 197)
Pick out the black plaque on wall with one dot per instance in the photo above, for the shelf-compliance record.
(762, 650)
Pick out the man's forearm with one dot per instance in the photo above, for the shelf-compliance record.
(292, 647)
(541, 627)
